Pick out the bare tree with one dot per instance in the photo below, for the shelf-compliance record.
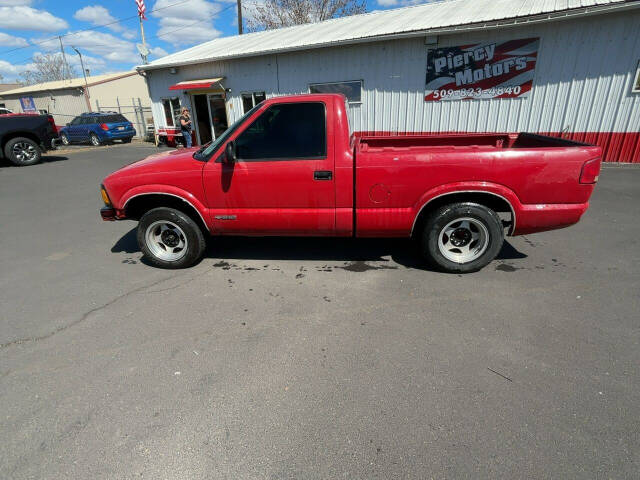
(47, 67)
(285, 13)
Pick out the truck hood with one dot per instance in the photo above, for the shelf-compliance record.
(162, 162)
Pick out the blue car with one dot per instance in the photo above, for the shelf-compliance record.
(97, 128)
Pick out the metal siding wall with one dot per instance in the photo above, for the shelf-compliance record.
(582, 83)
(62, 104)
(242, 75)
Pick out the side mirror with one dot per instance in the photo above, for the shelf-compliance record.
(230, 153)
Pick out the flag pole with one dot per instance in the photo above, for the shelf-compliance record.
(144, 43)
(143, 51)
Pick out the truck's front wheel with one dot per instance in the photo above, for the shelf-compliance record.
(462, 237)
(169, 238)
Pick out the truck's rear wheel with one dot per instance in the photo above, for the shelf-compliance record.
(22, 151)
(169, 238)
(462, 237)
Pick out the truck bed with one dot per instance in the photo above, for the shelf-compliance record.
(490, 141)
(537, 175)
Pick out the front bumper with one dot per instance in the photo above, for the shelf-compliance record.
(108, 214)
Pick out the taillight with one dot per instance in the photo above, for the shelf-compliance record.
(590, 171)
(51, 122)
(104, 126)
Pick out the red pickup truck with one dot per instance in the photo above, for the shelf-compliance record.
(291, 167)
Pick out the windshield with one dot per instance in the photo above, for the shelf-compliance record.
(213, 146)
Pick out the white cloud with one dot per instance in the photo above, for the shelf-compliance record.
(94, 64)
(13, 3)
(158, 52)
(10, 71)
(188, 23)
(388, 3)
(105, 45)
(98, 15)
(11, 41)
(27, 18)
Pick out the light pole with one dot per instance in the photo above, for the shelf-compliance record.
(84, 74)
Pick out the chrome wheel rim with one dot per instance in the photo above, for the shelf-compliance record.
(463, 240)
(166, 241)
(64, 139)
(24, 152)
(95, 140)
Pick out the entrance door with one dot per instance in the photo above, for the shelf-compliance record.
(203, 126)
(282, 182)
(217, 114)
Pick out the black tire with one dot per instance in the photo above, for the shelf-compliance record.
(22, 151)
(126, 140)
(64, 139)
(193, 238)
(93, 138)
(481, 224)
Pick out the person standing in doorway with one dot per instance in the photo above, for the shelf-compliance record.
(185, 126)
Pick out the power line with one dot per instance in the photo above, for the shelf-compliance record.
(33, 44)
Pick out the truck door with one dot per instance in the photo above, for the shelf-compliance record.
(282, 182)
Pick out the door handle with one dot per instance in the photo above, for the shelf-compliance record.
(322, 175)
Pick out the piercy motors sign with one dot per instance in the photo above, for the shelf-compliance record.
(491, 70)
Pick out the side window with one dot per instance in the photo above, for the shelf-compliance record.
(286, 131)
(250, 100)
(76, 121)
(352, 90)
(171, 108)
(635, 87)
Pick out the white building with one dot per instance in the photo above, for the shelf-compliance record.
(560, 67)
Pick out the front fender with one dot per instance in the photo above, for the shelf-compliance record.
(159, 189)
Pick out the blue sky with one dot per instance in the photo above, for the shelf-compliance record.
(29, 27)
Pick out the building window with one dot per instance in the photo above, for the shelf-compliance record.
(636, 83)
(352, 90)
(250, 100)
(171, 110)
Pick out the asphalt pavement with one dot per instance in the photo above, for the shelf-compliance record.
(289, 358)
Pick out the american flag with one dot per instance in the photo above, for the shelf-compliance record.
(141, 9)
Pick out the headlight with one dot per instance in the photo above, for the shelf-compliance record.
(105, 196)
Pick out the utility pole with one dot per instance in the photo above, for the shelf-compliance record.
(64, 59)
(86, 85)
(239, 17)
